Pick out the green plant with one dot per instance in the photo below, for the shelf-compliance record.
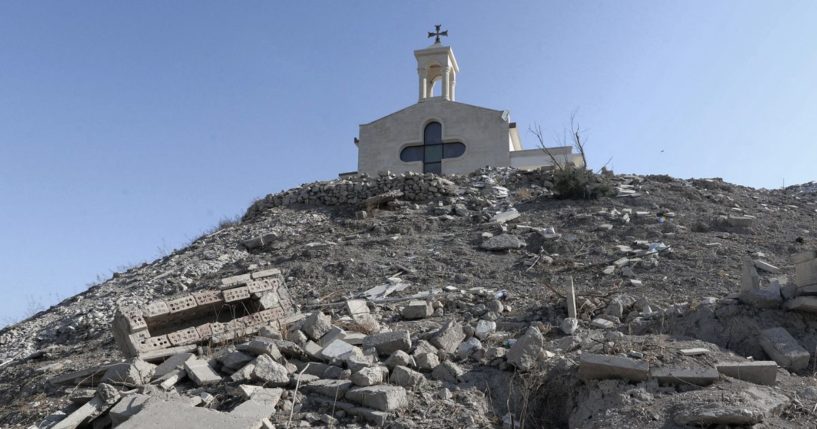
(572, 180)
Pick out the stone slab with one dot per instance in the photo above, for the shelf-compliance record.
(598, 367)
(784, 349)
(758, 372)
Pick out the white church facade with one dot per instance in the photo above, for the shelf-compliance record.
(440, 135)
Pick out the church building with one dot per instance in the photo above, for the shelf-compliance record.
(443, 136)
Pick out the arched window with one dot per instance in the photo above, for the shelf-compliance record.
(433, 150)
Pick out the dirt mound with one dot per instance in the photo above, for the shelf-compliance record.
(657, 270)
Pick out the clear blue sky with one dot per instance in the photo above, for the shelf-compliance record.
(131, 127)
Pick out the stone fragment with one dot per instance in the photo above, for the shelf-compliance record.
(399, 358)
(695, 351)
(128, 406)
(234, 360)
(426, 361)
(802, 303)
(469, 347)
(595, 366)
(85, 413)
(260, 347)
(329, 388)
(260, 405)
(337, 349)
(528, 349)
(569, 325)
(334, 334)
(767, 297)
(174, 362)
(316, 325)
(200, 372)
(506, 216)
(369, 376)
(783, 348)
(805, 273)
(406, 377)
(270, 372)
(750, 279)
(448, 337)
(748, 406)
(448, 372)
(685, 376)
(484, 329)
(417, 309)
(758, 372)
(387, 343)
(502, 242)
(602, 323)
(383, 398)
(134, 372)
(244, 373)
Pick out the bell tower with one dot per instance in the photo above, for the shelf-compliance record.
(436, 64)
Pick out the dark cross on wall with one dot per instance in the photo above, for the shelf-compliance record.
(437, 33)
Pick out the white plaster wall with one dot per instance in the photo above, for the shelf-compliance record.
(483, 131)
(534, 158)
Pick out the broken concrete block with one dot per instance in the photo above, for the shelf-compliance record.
(748, 406)
(469, 347)
(399, 358)
(200, 372)
(802, 303)
(595, 366)
(180, 415)
(758, 372)
(85, 413)
(602, 323)
(426, 361)
(695, 351)
(370, 376)
(338, 349)
(134, 372)
(259, 347)
(234, 360)
(408, 378)
(569, 325)
(354, 338)
(270, 372)
(527, 351)
(329, 388)
(750, 279)
(387, 343)
(127, 407)
(383, 398)
(448, 337)
(417, 309)
(805, 273)
(767, 297)
(783, 348)
(484, 329)
(316, 325)
(260, 405)
(502, 242)
(170, 379)
(506, 216)
(313, 350)
(571, 300)
(685, 376)
(174, 362)
(243, 374)
(448, 372)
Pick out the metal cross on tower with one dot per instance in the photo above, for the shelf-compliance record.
(437, 33)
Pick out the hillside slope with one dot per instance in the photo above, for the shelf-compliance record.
(682, 243)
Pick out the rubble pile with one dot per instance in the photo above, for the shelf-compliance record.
(415, 301)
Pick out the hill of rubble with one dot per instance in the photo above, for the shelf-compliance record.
(688, 312)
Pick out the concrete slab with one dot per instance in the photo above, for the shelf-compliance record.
(598, 367)
(758, 372)
(685, 376)
(383, 398)
(127, 407)
(784, 349)
(180, 415)
(174, 362)
(200, 372)
(807, 304)
(387, 343)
